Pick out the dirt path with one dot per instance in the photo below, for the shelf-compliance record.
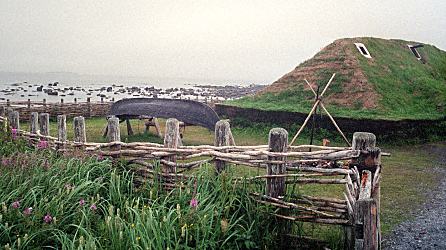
(428, 229)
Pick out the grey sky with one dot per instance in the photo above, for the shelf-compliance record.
(206, 39)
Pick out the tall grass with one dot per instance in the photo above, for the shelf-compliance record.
(48, 200)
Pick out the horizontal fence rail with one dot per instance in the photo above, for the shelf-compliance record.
(357, 169)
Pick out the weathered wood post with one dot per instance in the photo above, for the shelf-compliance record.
(88, 107)
(44, 124)
(44, 102)
(114, 134)
(171, 140)
(157, 127)
(14, 120)
(366, 215)
(61, 131)
(34, 123)
(369, 160)
(79, 130)
(2, 111)
(222, 139)
(278, 142)
(2, 114)
(28, 104)
(8, 113)
(129, 127)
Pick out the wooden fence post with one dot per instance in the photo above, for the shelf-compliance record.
(114, 133)
(28, 104)
(3, 114)
(14, 120)
(61, 131)
(129, 127)
(278, 142)
(171, 140)
(370, 159)
(222, 139)
(88, 107)
(44, 102)
(34, 123)
(8, 113)
(44, 124)
(366, 216)
(79, 130)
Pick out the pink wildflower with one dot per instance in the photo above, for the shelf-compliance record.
(42, 144)
(100, 157)
(194, 203)
(15, 204)
(5, 162)
(93, 207)
(81, 202)
(28, 211)
(14, 133)
(47, 219)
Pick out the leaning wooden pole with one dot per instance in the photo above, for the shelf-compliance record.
(335, 124)
(305, 122)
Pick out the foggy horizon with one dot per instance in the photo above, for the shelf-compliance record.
(250, 41)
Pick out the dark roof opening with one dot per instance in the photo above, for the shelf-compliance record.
(415, 52)
(361, 47)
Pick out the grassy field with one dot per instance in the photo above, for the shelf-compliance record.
(406, 180)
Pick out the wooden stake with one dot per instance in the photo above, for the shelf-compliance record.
(79, 129)
(114, 133)
(34, 123)
(61, 130)
(278, 142)
(44, 123)
(14, 120)
(2, 111)
(129, 127)
(171, 139)
(222, 138)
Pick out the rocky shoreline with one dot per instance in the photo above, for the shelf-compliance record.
(55, 91)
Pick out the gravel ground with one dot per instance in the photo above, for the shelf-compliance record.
(428, 229)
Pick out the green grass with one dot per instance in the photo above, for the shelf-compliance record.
(38, 179)
(95, 205)
(407, 88)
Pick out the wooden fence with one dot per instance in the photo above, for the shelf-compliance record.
(71, 110)
(359, 175)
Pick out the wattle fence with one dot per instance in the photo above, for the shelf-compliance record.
(357, 169)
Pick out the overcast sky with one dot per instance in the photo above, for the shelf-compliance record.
(200, 39)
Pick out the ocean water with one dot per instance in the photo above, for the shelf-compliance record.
(23, 86)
